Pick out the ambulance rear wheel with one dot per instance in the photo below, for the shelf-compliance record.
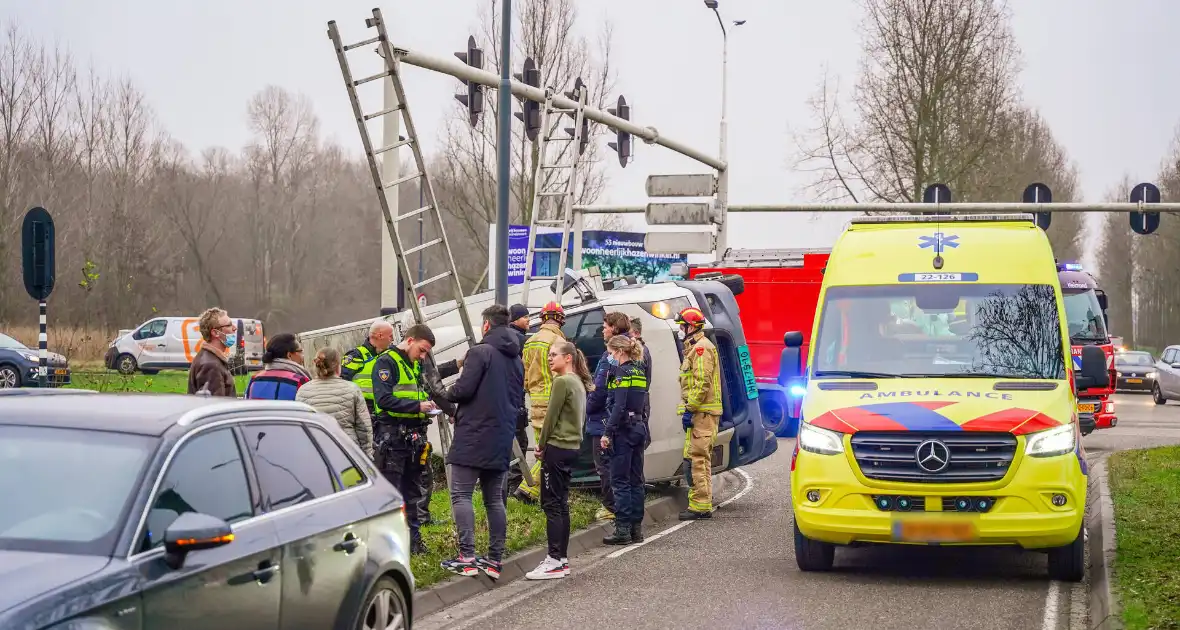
(813, 555)
(1068, 563)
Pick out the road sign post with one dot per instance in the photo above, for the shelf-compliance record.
(700, 212)
(1143, 222)
(37, 259)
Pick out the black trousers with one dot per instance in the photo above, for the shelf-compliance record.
(556, 467)
(602, 467)
(399, 465)
(522, 438)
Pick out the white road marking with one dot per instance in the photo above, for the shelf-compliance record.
(749, 486)
(1049, 621)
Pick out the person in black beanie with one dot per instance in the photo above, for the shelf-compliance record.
(518, 321)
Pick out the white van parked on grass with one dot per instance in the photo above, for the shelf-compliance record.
(170, 343)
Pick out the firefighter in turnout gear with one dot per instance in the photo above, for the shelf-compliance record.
(700, 409)
(357, 364)
(401, 404)
(538, 382)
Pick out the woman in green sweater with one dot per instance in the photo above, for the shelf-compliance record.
(557, 450)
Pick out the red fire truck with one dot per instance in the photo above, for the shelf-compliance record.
(1085, 310)
(781, 294)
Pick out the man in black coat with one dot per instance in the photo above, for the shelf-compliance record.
(489, 393)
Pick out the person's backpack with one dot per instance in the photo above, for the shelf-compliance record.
(275, 384)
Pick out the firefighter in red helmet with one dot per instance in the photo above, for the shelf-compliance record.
(538, 382)
(700, 409)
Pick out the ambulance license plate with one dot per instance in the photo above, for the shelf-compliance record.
(1086, 407)
(933, 531)
(1134, 380)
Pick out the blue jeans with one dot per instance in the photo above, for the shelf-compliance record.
(626, 472)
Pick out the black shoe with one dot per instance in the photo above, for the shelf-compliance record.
(417, 547)
(621, 535)
(637, 532)
(693, 515)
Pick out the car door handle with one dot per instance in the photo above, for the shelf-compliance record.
(349, 544)
(266, 571)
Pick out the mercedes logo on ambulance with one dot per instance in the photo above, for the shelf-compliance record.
(933, 456)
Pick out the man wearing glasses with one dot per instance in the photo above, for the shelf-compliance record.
(209, 371)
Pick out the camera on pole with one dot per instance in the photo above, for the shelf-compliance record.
(584, 137)
(622, 143)
(473, 99)
(531, 110)
(1145, 222)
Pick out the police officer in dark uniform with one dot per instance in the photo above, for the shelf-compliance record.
(402, 403)
(626, 434)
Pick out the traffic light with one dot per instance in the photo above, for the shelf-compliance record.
(622, 143)
(531, 114)
(1039, 193)
(576, 96)
(1145, 222)
(936, 193)
(473, 99)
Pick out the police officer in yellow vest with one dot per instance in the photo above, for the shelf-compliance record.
(357, 364)
(700, 406)
(538, 382)
(402, 406)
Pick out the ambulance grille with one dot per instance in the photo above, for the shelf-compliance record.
(975, 457)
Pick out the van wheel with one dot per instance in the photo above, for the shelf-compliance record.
(813, 555)
(774, 414)
(126, 364)
(1157, 395)
(1068, 563)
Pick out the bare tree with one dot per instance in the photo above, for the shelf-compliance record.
(1116, 265)
(937, 82)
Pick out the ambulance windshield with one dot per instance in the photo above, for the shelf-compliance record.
(940, 330)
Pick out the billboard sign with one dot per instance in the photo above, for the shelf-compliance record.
(614, 253)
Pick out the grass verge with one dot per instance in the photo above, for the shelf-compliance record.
(167, 382)
(526, 528)
(1145, 487)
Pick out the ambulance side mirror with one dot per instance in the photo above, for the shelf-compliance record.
(1093, 372)
(791, 359)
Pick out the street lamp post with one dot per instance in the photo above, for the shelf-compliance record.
(723, 176)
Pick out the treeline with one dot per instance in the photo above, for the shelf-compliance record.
(286, 229)
(1141, 273)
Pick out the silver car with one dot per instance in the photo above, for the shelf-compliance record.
(1167, 380)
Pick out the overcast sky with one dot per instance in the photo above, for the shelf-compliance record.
(1097, 69)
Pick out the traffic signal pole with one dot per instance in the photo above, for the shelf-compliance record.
(504, 153)
(462, 71)
(901, 208)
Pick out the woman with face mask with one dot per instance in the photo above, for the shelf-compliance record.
(626, 435)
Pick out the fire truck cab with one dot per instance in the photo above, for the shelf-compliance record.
(1085, 312)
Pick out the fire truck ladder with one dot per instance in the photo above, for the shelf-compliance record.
(431, 209)
(555, 177)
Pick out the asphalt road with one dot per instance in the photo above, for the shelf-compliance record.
(738, 570)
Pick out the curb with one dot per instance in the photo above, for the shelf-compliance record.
(457, 589)
(1104, 608)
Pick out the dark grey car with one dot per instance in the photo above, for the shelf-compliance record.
(141, 511)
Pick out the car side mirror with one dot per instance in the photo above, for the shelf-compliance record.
(193, 531)
(1093, 372)
(1176, 366)
(1102, 301)
(791, 360)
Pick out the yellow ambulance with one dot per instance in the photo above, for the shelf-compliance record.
(940, 404)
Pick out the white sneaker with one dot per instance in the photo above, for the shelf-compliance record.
(549, 569)
(565, 565)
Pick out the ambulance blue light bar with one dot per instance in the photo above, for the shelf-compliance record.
(1069, 267)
